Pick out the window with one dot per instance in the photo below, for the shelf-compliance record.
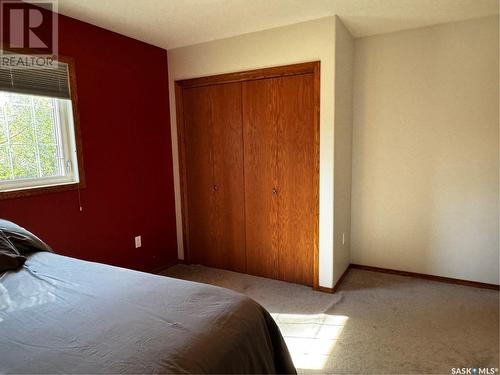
(37, 136)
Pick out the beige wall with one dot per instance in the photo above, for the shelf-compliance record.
(425, 194)
(308, 41)
(344, 59)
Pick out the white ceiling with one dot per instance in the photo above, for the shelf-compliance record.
(174, 23)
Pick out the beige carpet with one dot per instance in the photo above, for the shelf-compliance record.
(376, 323)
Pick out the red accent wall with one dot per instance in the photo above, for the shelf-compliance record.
(122, 89)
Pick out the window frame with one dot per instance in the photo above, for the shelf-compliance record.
(58, 184)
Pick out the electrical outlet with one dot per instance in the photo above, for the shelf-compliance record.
(138, 242)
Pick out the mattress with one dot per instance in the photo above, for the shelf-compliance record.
(63, 315)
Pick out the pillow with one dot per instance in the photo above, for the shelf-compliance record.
(10, 259)
(23, 241)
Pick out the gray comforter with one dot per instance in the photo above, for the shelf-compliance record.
(63, 315)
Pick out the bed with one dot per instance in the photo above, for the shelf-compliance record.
(64, 315)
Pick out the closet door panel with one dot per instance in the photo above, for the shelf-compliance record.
(229, 189)
(202, 235)
(260, 114)
(296, 171)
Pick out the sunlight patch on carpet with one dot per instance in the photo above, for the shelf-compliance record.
(310, 338)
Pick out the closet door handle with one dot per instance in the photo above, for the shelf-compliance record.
(216, 188)
(275, 191)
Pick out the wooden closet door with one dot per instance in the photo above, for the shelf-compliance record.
(279, 138)
(296, 171)
(260, 116)
(229, 190)
(201, 236)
